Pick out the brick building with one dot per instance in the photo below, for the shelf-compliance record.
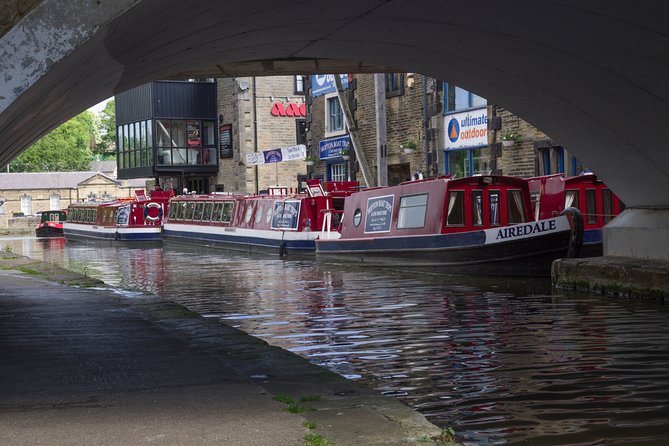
(256, 115)
(454, 131)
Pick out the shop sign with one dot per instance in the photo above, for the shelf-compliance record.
(379, 214)
(332, 147)
(466, 130)
(291, 110)
(325, 83)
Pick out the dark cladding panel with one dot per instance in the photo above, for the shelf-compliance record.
(184, 100)
(133, 105)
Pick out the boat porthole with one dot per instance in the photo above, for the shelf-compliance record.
(249, 213)
(357, 216)
(268, 218)
(259, 213)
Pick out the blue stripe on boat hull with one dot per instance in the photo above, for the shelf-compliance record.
(242, 243)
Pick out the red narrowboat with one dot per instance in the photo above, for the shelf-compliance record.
(551, 194)
(51, 223)
(281, 222)
(473, 225)
(129, 220)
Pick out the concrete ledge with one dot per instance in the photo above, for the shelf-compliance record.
(621, 276)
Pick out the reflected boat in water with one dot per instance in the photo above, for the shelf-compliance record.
(132, 219)
(474, 225)
(281, 222)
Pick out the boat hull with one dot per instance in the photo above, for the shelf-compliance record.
(243, 240)
(82, 232)
(475, 252)
(49, 231)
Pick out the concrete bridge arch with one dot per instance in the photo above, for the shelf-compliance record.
(592, 75)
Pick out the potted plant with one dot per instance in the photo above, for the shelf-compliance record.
(509, 138)
(408, 147)
(345, 154)
(311, 160)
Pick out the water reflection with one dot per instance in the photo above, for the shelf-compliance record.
(503, 362)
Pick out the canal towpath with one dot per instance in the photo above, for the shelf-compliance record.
(84, 365)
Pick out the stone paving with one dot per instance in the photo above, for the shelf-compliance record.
(83, 366)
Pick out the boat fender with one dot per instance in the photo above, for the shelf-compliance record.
(576, 238)
(152, 218)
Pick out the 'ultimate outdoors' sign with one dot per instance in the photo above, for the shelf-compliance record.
(379, 214)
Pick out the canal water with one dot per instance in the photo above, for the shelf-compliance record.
(501, 361)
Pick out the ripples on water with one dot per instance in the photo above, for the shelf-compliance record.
(502, 362)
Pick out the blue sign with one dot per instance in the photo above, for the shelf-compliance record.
(273, 156)
(325, 83)
(331, 148)
(286, 214)
(379, 214)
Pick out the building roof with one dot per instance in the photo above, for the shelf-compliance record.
(46, 180)
(103, 166)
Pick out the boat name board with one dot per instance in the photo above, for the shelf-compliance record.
(379, 214)
(526, 230)
(286, 214)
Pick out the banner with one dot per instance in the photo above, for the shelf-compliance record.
(298, 152)
(325, 83)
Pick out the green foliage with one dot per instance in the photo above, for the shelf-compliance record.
(65, 149)
(107, 145)
(316, 440)
(283, 398)
(309, 425)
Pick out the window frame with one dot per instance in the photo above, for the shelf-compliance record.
(411, 209)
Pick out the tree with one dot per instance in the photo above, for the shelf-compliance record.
(107, 145)
(67, 148)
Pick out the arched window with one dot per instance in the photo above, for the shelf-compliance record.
(54, 202)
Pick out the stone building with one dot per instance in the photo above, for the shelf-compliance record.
(453, 130)
(29, 193)
(257, 114)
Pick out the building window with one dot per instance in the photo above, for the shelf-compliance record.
(394, 84)
(300, 82)
(180, 142)
(458, 99)
(300, 131)
(465, 163)
(334, 117)
(2, 205)
(26, 204)
(550, 160)
(338, 172)
(54, 202)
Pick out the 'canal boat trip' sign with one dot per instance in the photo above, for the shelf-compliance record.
(379, 214)
(286, 214)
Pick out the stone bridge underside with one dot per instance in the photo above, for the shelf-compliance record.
(594, 75)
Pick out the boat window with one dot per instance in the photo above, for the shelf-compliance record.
(268, 217)
(477, 208)
(456, 208)
(181, 208)
(515, 206)
(94, 215)
(216, 212)
(259, 213)
(571, 199)
(199, 208)
(357, 216)
(188, 213)
(607, 206)
(227, 212)
(591, 206)
(412, 211)
(493, 203)
(249, 213)
(172, 213)
(206, 216)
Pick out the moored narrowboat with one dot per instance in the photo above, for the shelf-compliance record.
(474, 225)
(51, 223)
(551, 194)
(136, 219)
(281, 222)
